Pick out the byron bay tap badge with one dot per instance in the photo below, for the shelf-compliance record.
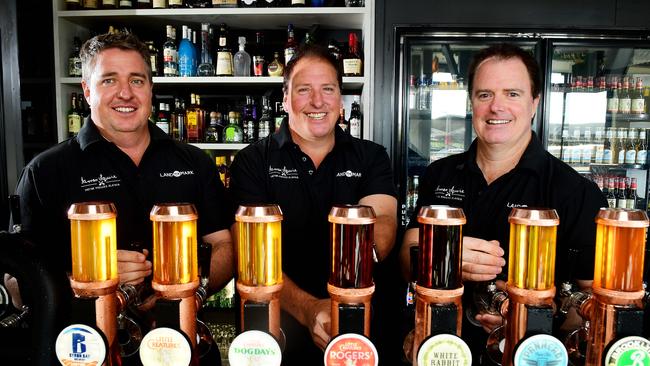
(259, 282)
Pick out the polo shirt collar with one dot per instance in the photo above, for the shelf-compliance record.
(532, 158)
(283, 135)
(89, 134)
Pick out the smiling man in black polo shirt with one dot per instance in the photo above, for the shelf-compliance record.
(507, 166)
(306, 167)
(121, 157)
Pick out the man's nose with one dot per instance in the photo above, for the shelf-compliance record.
(125, 91)
(497, 103)
(316, 98)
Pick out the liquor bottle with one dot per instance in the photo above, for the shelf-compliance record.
(280, 115)
(222, 168)
(249, 123)
(91, 4)
(109, 4)
(144, 4)
(621, 199)
(233, 132)
(642, 154)
(224, 3)
(637, 101)
(291, 46)
(259, 59)
(178, 121)
(631, 147)
(413, 92)
(193, 120)
(175, 3)
(607, 146)
(242, 60)
(201, 4)
(602, 84)
(265, 123)
(224, 55)
(205, 68)
(74, 61)
(160, 4)
(612, 96)
(565, 155)
(356, 119)
(74, 118)
(186, 55)
(170, 53)
(126, 4)
(276, 67)
(345, 126)
(212, 132)
(354, 3)
(632, 197)
(72, 4)
(153, 58)
(587, 148)
(598, 146)
(247, 3)
(590, 84)
(297, 3)
(622, 145)
(352, 60)
(162, 120)
(576, 150)
(424, 95)
(624, 100)
(335, 51)
(605, 186)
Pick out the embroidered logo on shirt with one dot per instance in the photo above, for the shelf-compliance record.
(283, 173)
(512, 205)
(100, 182)
(453, 193)
(176, 174)
(348, 174)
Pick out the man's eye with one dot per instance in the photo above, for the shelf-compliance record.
(483, 95)
(303, 90)
(137, 81)
(513, 94)
(329, 90)
(108, 81)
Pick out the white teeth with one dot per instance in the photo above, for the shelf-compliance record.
(316, 115)
(124, 109)
(497, 121)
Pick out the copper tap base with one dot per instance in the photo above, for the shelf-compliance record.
(350, 296)
(516, 318)
(262, 294)
(184, 292)
(106, 309)
(424, 298)
(605, 305)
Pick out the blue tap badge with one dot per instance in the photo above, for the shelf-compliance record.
(79, 344)
(541, 350)
(629, 351)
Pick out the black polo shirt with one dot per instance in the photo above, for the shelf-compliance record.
(90, 168)
(538, 180)
(275, 170)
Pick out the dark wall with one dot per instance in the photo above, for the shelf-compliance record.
(561, 15)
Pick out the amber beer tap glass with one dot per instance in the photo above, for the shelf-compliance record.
(618, 275)
(259, 267)
(439, 277)
(175, 263)
(531, 271)
(94, 265)
(351, 256)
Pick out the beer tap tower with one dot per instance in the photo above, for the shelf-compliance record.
(439, 289)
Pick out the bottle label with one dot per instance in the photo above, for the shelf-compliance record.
(159, 4)
(258, 65)
(621, 203)
(109, 2)
(288, 55)
(74, 66)
(126, 3)
(163, 126)
(232, 134)
(641, 156)
(275, 69)
(625, 105)
(90, 4)
(586, 154)
(74, 123)
(630, 156)
(170, 55)
(153, 60)
(79, 344)
(350, 349)
(297, 2)
(632, 350)
(227, 3)
(441, 348)
(631, 203)
(612, 105)
(248, 2)
(611, 202)
(620, 159)
(224, 63)
(637, 106)
(352, 66)
(185, 64)
(541, 349)
(176, 2)
(599, 156)
(607, 156)
(355, 127)
(165, 344)
(576, 154)
(254, 347)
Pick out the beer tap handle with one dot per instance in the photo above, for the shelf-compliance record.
(14, 207)
(205, 255)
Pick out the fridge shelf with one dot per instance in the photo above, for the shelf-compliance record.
(606, 167)
(628, 117)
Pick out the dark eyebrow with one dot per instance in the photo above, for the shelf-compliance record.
(113, 73)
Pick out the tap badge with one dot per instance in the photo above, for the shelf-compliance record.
(254, 347)
(79, 344)
(444, 349)
(629, 351)
(541, 350)
(165, 347)
(350, 350)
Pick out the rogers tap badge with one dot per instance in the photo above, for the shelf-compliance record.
(351, 350)
(629, 351)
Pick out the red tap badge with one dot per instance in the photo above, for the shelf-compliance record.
(351, 350)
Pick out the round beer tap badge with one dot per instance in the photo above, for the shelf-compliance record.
(626, 351)
(79, 344)
(351, 350)
(444, 349)
(541, 349)
(254, 347)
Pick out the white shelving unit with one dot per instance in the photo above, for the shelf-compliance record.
(68, 24)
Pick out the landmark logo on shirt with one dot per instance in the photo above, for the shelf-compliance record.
(450, 193)
(348, 174)
(513, 205)
(99, 182)
(283, 173)
(176, 174)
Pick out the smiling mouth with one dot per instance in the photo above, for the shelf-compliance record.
(316, 115)
(497, 121)
(124, 109)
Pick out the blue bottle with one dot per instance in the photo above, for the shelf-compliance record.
(186, 55)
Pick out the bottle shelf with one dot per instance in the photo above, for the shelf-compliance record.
(354, 82)
(628, 117)
(219, 146)
(600, 167)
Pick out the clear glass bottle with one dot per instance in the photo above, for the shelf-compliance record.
(233, 132)
(265, 123)
(205, 68)
(242, 60)
(170, 53)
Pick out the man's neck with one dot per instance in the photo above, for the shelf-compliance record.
(317, 150)
(132, 144)
(497, 160)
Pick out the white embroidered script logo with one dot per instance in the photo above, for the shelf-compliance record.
(348, 174)
(99, 182)
(451, 193)
(283, 173)
(176, 174)
(512, 205)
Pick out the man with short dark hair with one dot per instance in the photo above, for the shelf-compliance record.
(306, 167)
